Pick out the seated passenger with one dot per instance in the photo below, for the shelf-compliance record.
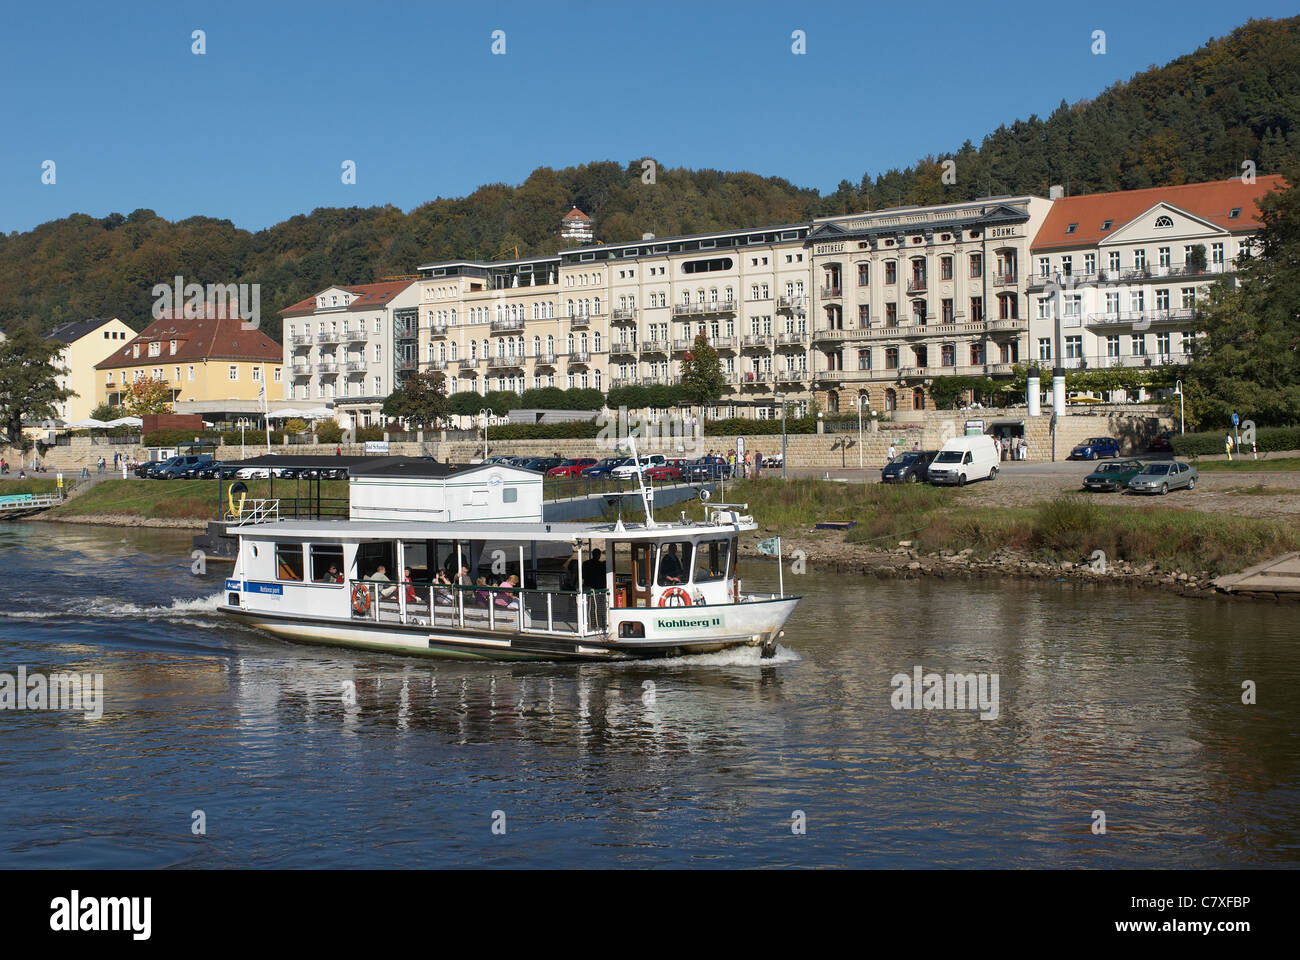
(443, 596)
(332, 575)
(410, 590)
(506, 598)
(381, 574)
(670, 567)
(482, 596)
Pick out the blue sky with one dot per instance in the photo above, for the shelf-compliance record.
(256, 129)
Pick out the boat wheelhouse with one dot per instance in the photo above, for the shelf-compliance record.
(579, 590)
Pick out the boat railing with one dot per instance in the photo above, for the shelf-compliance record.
(254, 511)
(506, 609)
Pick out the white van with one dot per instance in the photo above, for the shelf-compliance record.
(646, 461)
(965, 458)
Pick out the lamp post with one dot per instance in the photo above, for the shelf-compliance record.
(484, 413)
(781, 397)
(859, 402)
(1182, 423)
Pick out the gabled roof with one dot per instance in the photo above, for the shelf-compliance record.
(368, 296)
(1213, 202)
(216, 335)
(74, 330)
(575, 214)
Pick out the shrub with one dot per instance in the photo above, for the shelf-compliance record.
(328, 431)
(1268, 440)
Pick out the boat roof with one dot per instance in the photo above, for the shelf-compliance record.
(479, 530)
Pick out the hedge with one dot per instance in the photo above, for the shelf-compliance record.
(1267, 440)
(172, 438)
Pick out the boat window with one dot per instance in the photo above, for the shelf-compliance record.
(288, 561)
(326, 563)
(711, 560)
(674, 562)
(509, 495)
(371, 555)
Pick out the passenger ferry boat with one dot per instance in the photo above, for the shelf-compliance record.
(595, 590)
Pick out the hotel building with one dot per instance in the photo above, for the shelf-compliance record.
(85, 343)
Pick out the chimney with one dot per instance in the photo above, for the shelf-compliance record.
(1055, 192)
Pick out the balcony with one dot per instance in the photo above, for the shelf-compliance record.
(505, 363)
(502, 326)
(796, 339)
(579, 356)
(910, 373)
(1173, 358)
(916, 285)
(1142, 317)
(358, 333)
(654, 346)
(437, 329)
(326, 366)
(797, 305)
(623, 347)
(546, 360)
(723, 343)
(297, 370)
(1011, 325)
(300, 340)
(791, 376)
(327, 336)
(831, 293)
(1004, 279)
(761, 341)
(838, 376)
(617, 382)
(681, 346)
(437, 364)
(580, 321)
(715, 307)
(353, 366)
(623, 315)
(405, 364)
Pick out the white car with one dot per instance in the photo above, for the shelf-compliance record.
(629, 470)
(965, 458)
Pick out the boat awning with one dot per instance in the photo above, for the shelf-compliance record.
(346, 530)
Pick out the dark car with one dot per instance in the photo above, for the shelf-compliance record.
(572, 467)
(603, 468)
(1162, 442)
(151, 468)
(706, 468)
(1094, 448)
(177, 470)
(541, 464)
(1110, 477)
(910, 466)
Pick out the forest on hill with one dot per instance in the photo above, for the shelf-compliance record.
(1196, 118)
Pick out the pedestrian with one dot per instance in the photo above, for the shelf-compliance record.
(747, 462)
(1227, 445)
(338, 451)
(916, 446)
(758, 464)
(889, 456)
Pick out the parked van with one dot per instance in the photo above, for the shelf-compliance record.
(965, 458)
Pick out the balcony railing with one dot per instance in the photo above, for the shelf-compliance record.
(798, 338)
(757, 340)
(1129, 317)
(405, 363)
(916, 285)
(626, 347)
(580, 321)
(299, 340)
(356, 333)
(503, 325)
(723, 343)
(617, 382)
(437, 329)
(298, 370)
(795, 304)
(791, 376)
(681, 346)
(328, 336)
(326, 366)
(623, 314)
(693, 309)
(1004, 279)
(353, 366)
(579, 356)
(830, 293)
(546, 360)
(499, 363)
(654, 346)
(1158, 359)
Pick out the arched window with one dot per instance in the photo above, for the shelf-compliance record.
(918, 398)
(568, 306)
(550, 345)
(501, 347)
(473, 349)
(595, 307)
(595, 341)
(519, 346)
(1164, 221)
(537, 346)
(453, 316)
(452, 352)
(570, 342)
(891, 399)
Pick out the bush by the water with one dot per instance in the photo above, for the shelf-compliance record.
(1267, 439)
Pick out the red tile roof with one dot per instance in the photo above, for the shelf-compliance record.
(212, 336)
(1210, 201)
(369, 296)
(575, 214)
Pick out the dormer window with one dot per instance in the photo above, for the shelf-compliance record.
(173, 346)
(1071, 228)
(155, 348)
(1107, 224)
(135, 349)
(1234, 213)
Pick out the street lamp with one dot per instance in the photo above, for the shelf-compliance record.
(858, 404)
(485, 414)
(1182, 423)
(781, 397)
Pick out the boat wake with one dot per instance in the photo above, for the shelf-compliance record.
(110, 608)
(734, 657)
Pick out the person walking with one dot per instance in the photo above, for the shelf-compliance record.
(891, 453)
(758, 464)
(1227, 445)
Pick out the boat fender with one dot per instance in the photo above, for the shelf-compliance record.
(361, 599)
(675, 597)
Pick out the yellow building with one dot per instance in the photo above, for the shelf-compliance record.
(85, 343)
(206, 358)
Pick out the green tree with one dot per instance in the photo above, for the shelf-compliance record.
(1246, 357)
(702, 376)
(28, 385)
(107, 412)
(420, 400)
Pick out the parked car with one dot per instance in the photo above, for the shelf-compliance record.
(706, 468)
(1112, 476)
(604, 467)
(963, 459)
(151, 468)
(195, 471)
(540, 464)
(911, 466)
(643, 462)
(1163, 477)
(1095, 448)
(488, 461)
(571, 468)
(668, 470)
(177, 468)
(1162, 442)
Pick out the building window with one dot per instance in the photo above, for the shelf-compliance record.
(1139, 345)
(976, 309)
(891, 358)
(276, 375)
(1112, 345)
(234, 372)
(1074, 348)
(1216, 253)
(1044, 348)
(976, 266)
(945, 268)
(257, 374)
(891, 271)
(864, 274)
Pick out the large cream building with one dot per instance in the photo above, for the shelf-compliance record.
(85, 343)
(856, 312)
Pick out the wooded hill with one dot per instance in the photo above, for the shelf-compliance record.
(1194, 119)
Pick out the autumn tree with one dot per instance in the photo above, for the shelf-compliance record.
(146, 396)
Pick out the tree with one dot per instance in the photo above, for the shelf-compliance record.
(702, 376)
(420, 400)
(107, 412)
(1246, 357)
(28, 385)
(146, 396)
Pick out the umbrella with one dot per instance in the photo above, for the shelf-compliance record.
(285, 414)
(125, 422)
(87, 424)
(318, 413)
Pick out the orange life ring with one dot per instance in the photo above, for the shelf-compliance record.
(675, 593)
(361, 599)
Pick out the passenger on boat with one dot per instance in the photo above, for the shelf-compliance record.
(508, 599)
(482, 596)
(443, 596)
(410, 590)
(332, 575)
(381, 574)
(593, 572)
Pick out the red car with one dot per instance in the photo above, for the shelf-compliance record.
(671, 470)
(572, 468)
(1163, 443)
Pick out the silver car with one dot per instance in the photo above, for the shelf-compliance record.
(1163, 477)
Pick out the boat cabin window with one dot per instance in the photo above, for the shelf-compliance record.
(326, 563)
(288, 561)
(371, 555)
(674, 562)
(711, 560)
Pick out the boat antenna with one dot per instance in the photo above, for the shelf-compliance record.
(647, 496)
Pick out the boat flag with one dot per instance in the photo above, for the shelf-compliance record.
(771, 547)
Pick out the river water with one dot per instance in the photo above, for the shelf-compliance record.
(1125, 703)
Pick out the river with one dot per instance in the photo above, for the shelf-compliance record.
(222, 747)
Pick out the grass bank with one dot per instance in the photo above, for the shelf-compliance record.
(1282, 464)
(1069, 527)
(173, 499)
